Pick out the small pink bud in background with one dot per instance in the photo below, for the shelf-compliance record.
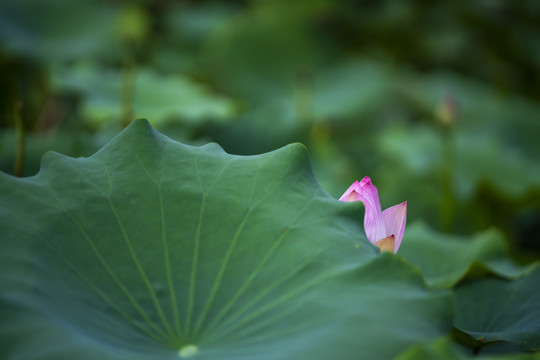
(447, 111)
(384, 229)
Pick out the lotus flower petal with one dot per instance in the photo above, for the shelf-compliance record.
(394, 219)
(351, 194)
(366, 192)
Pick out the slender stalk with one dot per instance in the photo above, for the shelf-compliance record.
(128, 88)
(19, 128)
(303, 96)
(449, 203)
(447, 114)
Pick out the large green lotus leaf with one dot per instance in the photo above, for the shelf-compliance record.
(499, 310)
(473, 256)
(151, 249)
(444, 348)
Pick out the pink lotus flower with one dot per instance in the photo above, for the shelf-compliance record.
(383, 228)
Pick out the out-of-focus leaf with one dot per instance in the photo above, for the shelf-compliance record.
(164, 98)
(481, 110)
(446, 259)
(186, 27)
(56, 29)
(262, 50)
(193, 24)
(478, 159)
(151, 249)
(483, 159)
(444, 349)
(499, 310)
(350, 89)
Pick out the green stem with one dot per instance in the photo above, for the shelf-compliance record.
(448, 170)
(128, 89)
(19, 128)
(303, 90)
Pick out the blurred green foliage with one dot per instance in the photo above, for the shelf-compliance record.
(438, 102)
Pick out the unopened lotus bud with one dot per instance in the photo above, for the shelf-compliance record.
(447, 111)
(384, 229)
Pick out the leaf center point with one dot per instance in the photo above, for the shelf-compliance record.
(187, 351)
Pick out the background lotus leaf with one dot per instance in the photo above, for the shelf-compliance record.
(499, 310)
(484, 253)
